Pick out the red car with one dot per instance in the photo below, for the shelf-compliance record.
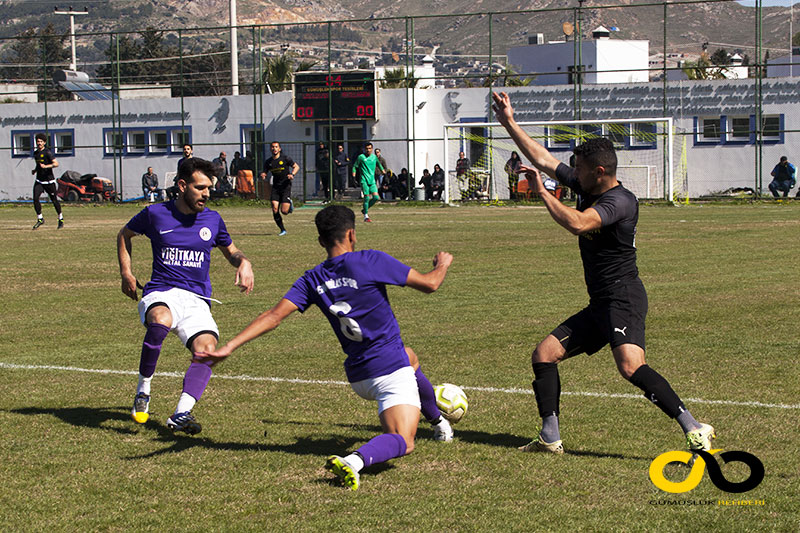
(73, 187)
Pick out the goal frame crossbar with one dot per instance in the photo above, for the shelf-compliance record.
(668, 174)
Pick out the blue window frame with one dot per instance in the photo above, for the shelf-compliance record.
(738, 129)
(161, 140)
(61, 142)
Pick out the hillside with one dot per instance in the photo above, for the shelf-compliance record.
(722, 24)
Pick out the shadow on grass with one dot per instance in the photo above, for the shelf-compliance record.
(90, 417)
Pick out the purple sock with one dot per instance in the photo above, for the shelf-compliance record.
(382, 448)
(196, 379)
(151, 348)
(427, 397)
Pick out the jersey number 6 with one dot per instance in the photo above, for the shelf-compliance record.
(350, 327)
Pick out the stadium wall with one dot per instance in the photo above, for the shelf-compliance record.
(409, 128)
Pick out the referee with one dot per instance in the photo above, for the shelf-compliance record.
(605, 221)
(45, 180)
(283, 170)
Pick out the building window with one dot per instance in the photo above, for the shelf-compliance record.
(159, 141)
(253, 141)
(771, 127)
(60, 142)
(712, 129)
(136, 142)
(558, 137)
(644, 135)
(575, 74)
(617, 134)
(739, 129)
(22, 144)
(114, 142)
(179, 139)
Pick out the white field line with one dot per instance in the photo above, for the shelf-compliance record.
(12, 366)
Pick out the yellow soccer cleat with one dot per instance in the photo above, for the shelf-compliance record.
(343, 471)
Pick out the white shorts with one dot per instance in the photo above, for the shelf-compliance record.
(191, 314)
(397, 388)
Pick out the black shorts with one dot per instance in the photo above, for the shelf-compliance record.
(615, 318)
(281, 192)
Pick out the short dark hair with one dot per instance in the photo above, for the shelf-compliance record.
(783, 157)
(187, 144)
(367, 144)
(599, 152)
(192, 165)
(41, 137)
(333, 223)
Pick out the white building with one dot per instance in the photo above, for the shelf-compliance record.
(604, 60)
(784, 66)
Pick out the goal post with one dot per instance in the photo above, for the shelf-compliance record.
(650, 163)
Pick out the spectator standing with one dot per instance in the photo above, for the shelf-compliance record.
(323, 162)
(512, 169)
(462, 175)
(380, 172)
(341, 162)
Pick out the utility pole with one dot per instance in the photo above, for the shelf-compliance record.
(71, 12)
(234, 51)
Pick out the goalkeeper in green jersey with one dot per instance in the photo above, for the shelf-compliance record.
(364, 171)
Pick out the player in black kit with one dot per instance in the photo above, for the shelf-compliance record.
(45, 180)
(605, 222)
(283, 170)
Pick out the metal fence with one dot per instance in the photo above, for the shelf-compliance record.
(754, 46)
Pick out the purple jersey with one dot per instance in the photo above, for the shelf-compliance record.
(181, 246)
(351, 291)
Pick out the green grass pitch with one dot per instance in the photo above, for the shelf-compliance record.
(722, 328)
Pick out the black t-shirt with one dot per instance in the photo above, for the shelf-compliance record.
(44, 157)
(280, 168)
(608, 253)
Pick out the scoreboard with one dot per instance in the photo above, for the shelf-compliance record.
(351, 95)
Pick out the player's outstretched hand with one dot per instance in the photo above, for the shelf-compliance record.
(215, 357)
(442, 259)
(502, 108)
(535, 177)
(244, 277)
(129, 287)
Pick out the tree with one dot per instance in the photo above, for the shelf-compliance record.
(702, 69)
(508, 78)
(721, 57)
(34, 56)
(278, 71)
(396, 78)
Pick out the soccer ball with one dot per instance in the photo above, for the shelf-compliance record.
(451, 401)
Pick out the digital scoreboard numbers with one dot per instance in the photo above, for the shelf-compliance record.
(352, 95)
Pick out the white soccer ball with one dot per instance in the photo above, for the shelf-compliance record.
(452, 401)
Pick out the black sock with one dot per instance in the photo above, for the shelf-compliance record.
(657, 390)
(546, 388)
(278, 220)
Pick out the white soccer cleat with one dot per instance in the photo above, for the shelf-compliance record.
(443, 431)
(539, 445)
(700, 439)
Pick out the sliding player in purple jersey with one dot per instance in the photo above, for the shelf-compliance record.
(182, 233)
(350, 289)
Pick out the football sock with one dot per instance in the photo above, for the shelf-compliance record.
(373, 200)
(687, 421)
(196, 380)
(144, 384)
(550, 432)
(151, 348)
(355, 460)
(40, 216)
(657, 390)
(278, 220)
(60, 216)
(382, 448)
(427, 397)
(185, 403)
(366, 204)
(546, 388)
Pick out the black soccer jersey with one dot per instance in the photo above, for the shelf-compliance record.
(608, 253)
(44, 157)
(280, 167)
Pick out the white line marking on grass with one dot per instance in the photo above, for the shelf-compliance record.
(244, 377)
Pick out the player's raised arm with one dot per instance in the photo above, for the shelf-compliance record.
(432, 280)
(244, 269)
(265, 322)
(124, 249)
(535, 152)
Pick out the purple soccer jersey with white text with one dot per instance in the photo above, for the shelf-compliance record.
(181, 246)
(350, 289)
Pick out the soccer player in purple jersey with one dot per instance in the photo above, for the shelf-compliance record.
(350, 289)
(182, 233)
(604, 220)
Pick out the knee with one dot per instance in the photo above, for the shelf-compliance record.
(628, 369)
(542, 354)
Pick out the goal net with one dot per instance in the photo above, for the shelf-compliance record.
(650, 163)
